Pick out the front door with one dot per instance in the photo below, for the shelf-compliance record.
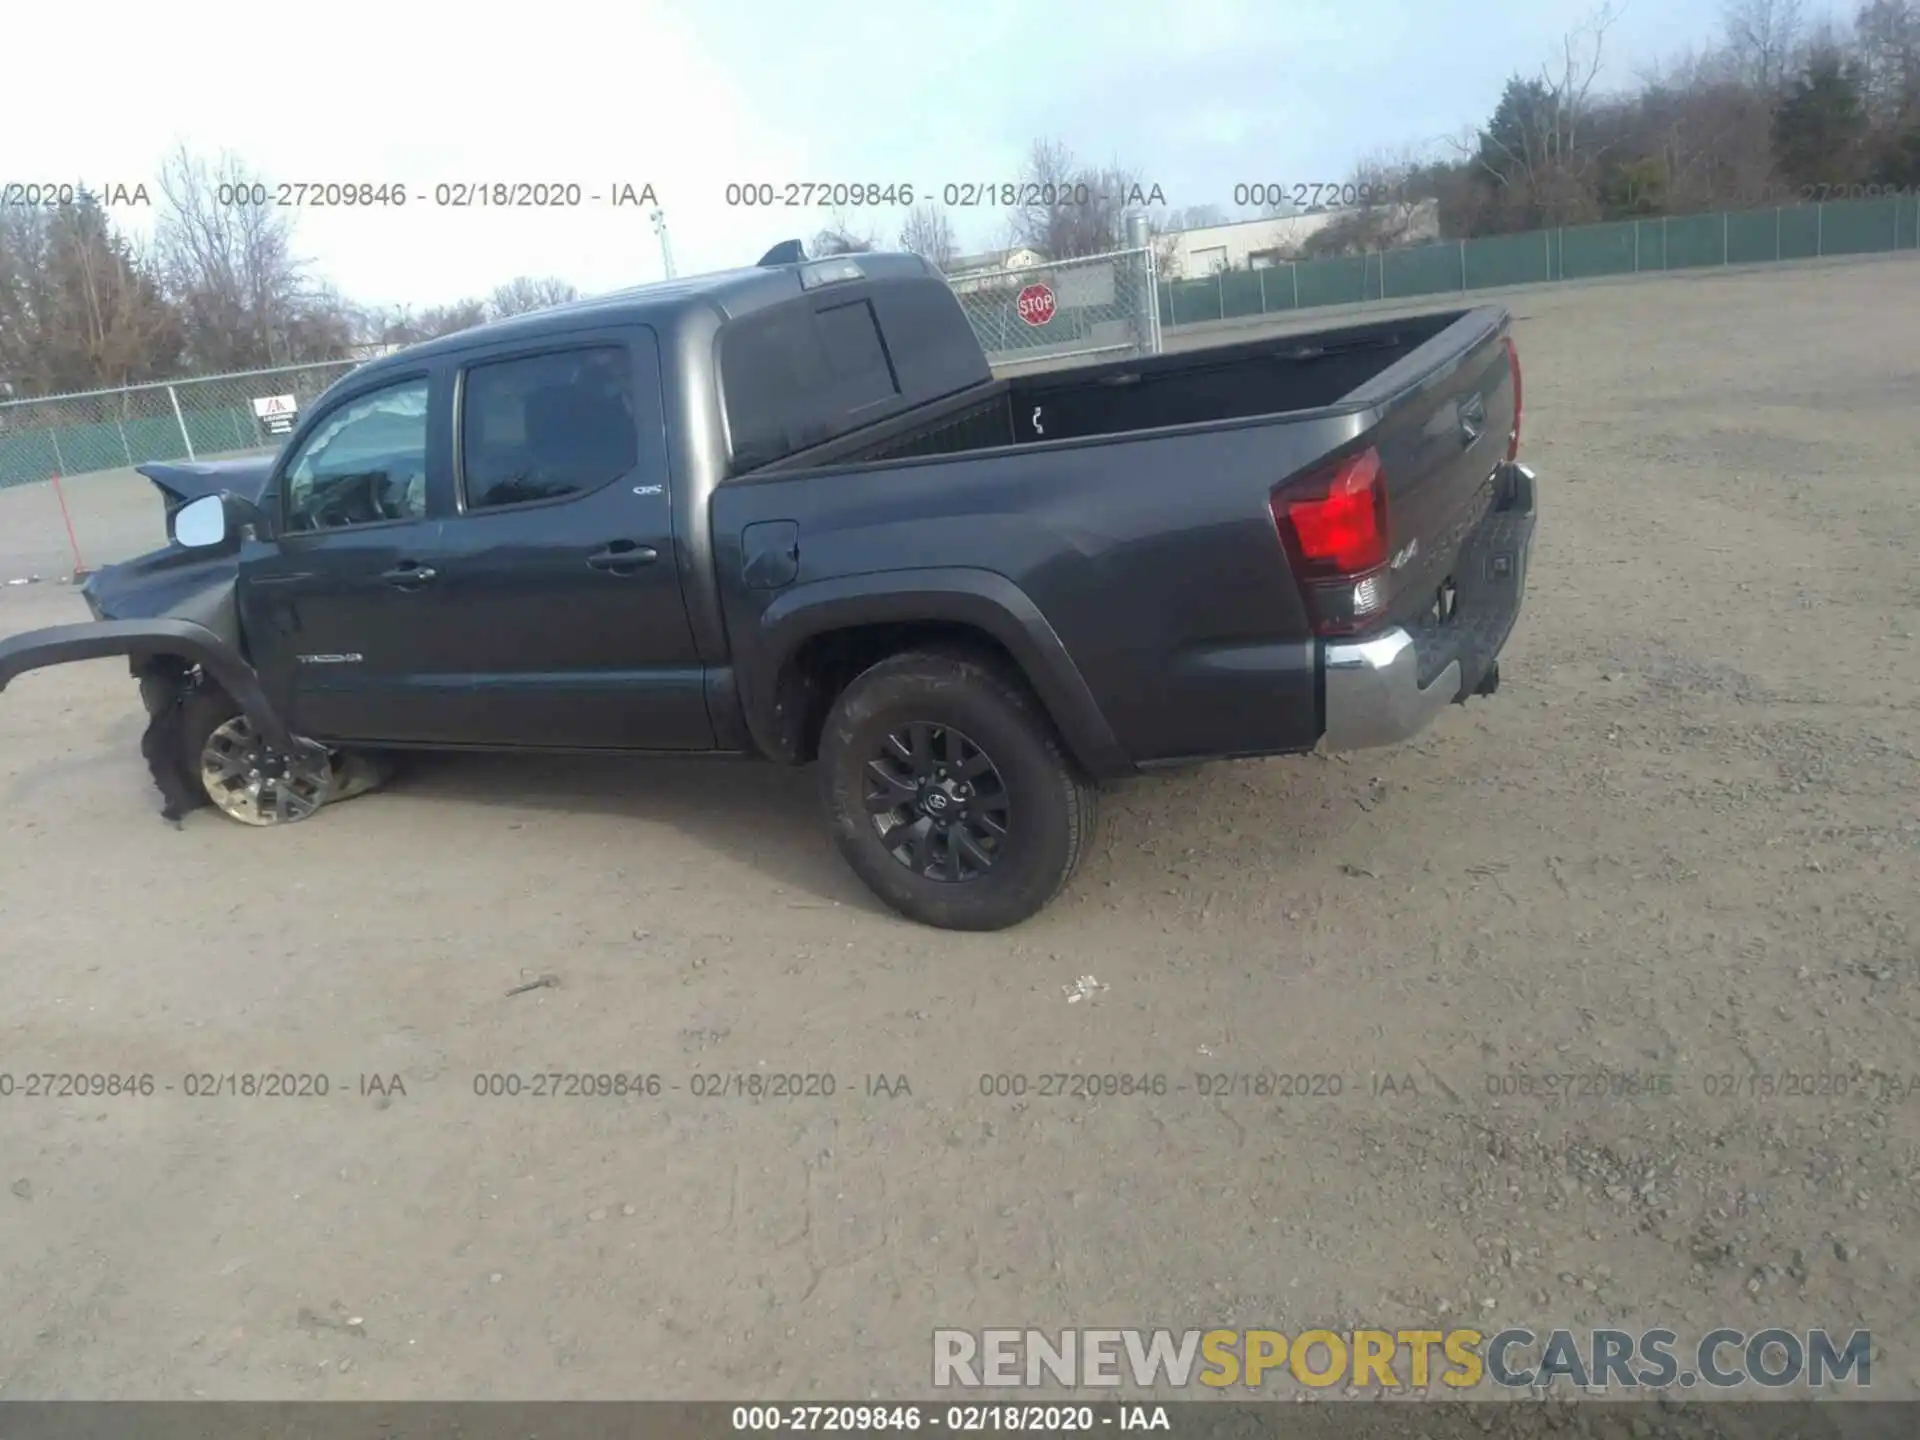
(333, 607)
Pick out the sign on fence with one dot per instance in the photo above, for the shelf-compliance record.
(1036, 305)
(277, 413)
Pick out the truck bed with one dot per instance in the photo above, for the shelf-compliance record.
(1273, 375)
(1138, 525)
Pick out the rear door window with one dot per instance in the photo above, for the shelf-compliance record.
(546, 426)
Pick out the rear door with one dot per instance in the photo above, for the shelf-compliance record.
(556, 614)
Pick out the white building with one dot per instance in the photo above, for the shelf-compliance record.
(971, 272)
(1256, 244)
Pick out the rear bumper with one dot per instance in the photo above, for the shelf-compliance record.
(1374, 695)
(1374, 690)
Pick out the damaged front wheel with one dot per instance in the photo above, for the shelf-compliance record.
(202, 749)
(250, 782)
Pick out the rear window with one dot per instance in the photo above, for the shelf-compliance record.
(796, 375)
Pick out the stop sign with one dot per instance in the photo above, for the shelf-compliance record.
(1035, 304)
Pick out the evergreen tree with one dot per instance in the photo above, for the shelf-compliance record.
(1820, 129)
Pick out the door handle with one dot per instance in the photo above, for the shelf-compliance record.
(623, 557)
(409, 576)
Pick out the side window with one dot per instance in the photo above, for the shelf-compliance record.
(366, 463)
(540, 427)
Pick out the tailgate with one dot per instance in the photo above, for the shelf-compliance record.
(1450, 415)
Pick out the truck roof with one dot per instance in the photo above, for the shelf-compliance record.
(732, 293)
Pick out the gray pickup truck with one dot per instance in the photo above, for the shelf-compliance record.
(790, 512)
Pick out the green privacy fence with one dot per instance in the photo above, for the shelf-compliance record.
(1539, 257)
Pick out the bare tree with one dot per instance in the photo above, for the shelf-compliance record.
(929, 233)
(324, 324)
(401, 326)
(229, 264)
(80, 308)
(1068, 209)
(524, 293)
(1695, 137)
(245, 298)
(1535, 151)
(839, 236)
(1763, 37)
(440, 320)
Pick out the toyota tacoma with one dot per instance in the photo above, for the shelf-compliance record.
(790, 512)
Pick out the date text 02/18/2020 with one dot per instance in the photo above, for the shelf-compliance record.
(959, 195)
(470, 194)
(960, 1419)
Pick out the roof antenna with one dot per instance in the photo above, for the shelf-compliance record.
(787, 252)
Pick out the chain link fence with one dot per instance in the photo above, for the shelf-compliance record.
(1098, 305)
(64, 435)
(1542, 257)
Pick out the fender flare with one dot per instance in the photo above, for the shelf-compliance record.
(102, 639)
(983, 599)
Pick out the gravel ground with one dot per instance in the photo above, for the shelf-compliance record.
(1682, 846)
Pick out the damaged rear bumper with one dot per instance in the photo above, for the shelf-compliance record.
(137, 639)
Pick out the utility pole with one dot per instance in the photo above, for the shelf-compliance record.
(659, 218)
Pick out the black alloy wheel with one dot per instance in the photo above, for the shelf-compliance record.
(949, 792)
(938, 802)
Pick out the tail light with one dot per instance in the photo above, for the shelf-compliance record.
(1333, 523)
(1513, 368)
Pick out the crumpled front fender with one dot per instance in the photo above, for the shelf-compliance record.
(103, 639)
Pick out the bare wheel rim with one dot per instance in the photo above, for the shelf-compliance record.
(251, 783)
(937, 802)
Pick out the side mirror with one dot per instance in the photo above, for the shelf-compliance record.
(216, 521)
(202, 524)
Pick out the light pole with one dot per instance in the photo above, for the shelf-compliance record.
(659, 218)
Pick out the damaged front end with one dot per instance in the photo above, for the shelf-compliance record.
(174, 660)
(212, 736)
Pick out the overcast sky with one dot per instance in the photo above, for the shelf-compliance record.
(688, 95)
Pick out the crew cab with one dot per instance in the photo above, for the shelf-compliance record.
(790, 512)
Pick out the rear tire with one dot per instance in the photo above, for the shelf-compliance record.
(950, 795)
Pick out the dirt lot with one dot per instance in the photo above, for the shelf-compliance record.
(1684, 841)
